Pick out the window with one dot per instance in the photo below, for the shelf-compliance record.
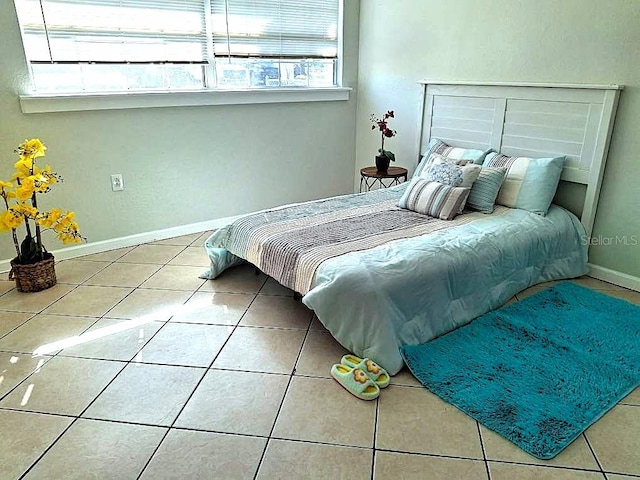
(129, 45)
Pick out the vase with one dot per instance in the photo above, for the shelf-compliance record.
(382, 163)
(34, 277)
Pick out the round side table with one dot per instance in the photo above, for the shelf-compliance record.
(370, 177)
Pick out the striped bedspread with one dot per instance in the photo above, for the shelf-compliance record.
(290, 243)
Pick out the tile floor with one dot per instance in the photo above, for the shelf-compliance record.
(145, 371)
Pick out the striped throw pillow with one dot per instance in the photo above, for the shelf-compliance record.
(438, 147)
(484, 191)
(434, 199)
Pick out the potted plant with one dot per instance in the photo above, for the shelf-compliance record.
(33, 267)
(384, 156)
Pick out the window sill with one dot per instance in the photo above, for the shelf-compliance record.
(117, 101)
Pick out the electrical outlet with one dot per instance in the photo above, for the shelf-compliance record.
(117, 183)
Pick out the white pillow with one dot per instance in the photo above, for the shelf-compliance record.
(456, 173)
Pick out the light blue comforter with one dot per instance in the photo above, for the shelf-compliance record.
(412, 290)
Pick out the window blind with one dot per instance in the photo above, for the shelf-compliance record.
(276, 28)
(119, 31)
(122, 45)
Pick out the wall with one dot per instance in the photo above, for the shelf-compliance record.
(569, 41)
(180, 165)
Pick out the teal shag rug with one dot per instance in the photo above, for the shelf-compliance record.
(540, 371)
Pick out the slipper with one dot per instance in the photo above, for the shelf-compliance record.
(371, 368)
(355, 381)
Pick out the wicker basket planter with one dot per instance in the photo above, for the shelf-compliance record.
(34, 277)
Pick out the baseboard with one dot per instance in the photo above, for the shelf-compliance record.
(615, 277)
(131, 240)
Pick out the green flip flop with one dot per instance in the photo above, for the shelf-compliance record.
(355, 381)
(375, 372)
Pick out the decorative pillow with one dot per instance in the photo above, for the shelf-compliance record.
(449, 152)
(530, 183)
(434, 199)
(456, 173)
(482, 196)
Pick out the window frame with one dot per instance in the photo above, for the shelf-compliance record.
(210, 94)
(34, 103)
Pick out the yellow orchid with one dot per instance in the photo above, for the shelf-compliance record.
(68, 230)
(7, 194)
(48, 219)
(33, 148)
(4, 192)
(51, 177)
(3, 221)
(23, 167)
(65, 222)
(30, 185)
(10, 219)
(27, 181)
(72, 236)
(26, 210)
(41, 183)
(25, 191)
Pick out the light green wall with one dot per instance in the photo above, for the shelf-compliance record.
(567, 41)
(180, 165)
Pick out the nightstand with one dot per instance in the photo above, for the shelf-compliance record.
(370, 177)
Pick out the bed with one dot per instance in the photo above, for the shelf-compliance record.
(379, 276)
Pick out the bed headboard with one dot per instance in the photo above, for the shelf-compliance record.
(533, 120)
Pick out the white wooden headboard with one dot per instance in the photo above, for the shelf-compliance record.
(533, 120)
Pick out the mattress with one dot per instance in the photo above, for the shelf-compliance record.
(406, 280)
